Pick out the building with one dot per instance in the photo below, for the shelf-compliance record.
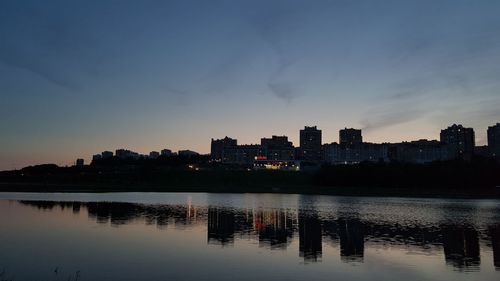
(335, 153)
(166, 152)
(96, 157)
(494, 140)
(419, 152)
(126, 154)
(219, 147)
(107, 154)
(350, 136)
(264, 164)
(277, 148)
(310, 145)
(187, 153)
(482, 151)
(243, 154)
(80, 162)
(154, 154)
(460, 141)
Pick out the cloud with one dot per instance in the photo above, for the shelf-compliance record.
(41, 70)
(277, 26)
(391, 116)
(283, 90)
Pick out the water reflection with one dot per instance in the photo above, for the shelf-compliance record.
(276, 228)
(461, 246)
(494, 231)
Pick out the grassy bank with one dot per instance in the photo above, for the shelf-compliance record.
(451, 179)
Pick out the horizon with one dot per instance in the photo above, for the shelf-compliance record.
(88, 158)
(80, 78)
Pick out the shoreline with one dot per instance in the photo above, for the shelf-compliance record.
(305, 190)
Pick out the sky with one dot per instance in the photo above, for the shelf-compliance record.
(81, 77)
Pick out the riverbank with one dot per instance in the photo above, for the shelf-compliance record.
(493, 193)
(447, 179)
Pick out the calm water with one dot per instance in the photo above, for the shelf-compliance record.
(182, 236)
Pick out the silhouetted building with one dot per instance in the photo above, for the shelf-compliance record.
(107, 154)
(79, 162)
(310, 236)
(335, 153)
(166, 152)
(96, 157)
(154, 154)
(482, 151)
(126, 154)
(243, 154)
(277, 148)
(460, 141)
(350, 136)
(420, 152)
(218, 148)
(494, 140)
(310, 144)
(187, 153)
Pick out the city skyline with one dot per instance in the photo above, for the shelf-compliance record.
(95, 76)
(455, 142)
(341, 133)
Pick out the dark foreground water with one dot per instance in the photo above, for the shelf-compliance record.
(181, 236)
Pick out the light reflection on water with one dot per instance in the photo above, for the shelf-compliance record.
(136, 236)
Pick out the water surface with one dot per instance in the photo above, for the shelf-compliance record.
(203, 236)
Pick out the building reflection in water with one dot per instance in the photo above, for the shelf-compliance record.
(461, 246)
(276, 229)
(494, 232)
(352, 239)
(310, 236)
(220, 226)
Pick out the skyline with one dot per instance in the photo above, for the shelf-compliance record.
(98, 76)
(346, 136)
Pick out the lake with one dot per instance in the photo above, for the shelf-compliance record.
(204, 236)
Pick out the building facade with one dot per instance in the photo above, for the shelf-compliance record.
(243, 154)
(278, 148)
(494, 140)
(419, 152)
(166, 152)
(218, 148)
(310, 145)
(350, 136)
(460, 141)
(335, 153)
(126, 154)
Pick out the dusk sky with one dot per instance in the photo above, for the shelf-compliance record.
(81, 77)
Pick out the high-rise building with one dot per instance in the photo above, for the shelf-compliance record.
(277, 148)
(187, 153)
(79, 162)
(218, 148)
(310, 144)
(154, 154)
(335, 153)
(166, 152)
(350, 136)
(126, 154)
(494, 140)
(421, 151)
(460, 141)
(107, 154)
